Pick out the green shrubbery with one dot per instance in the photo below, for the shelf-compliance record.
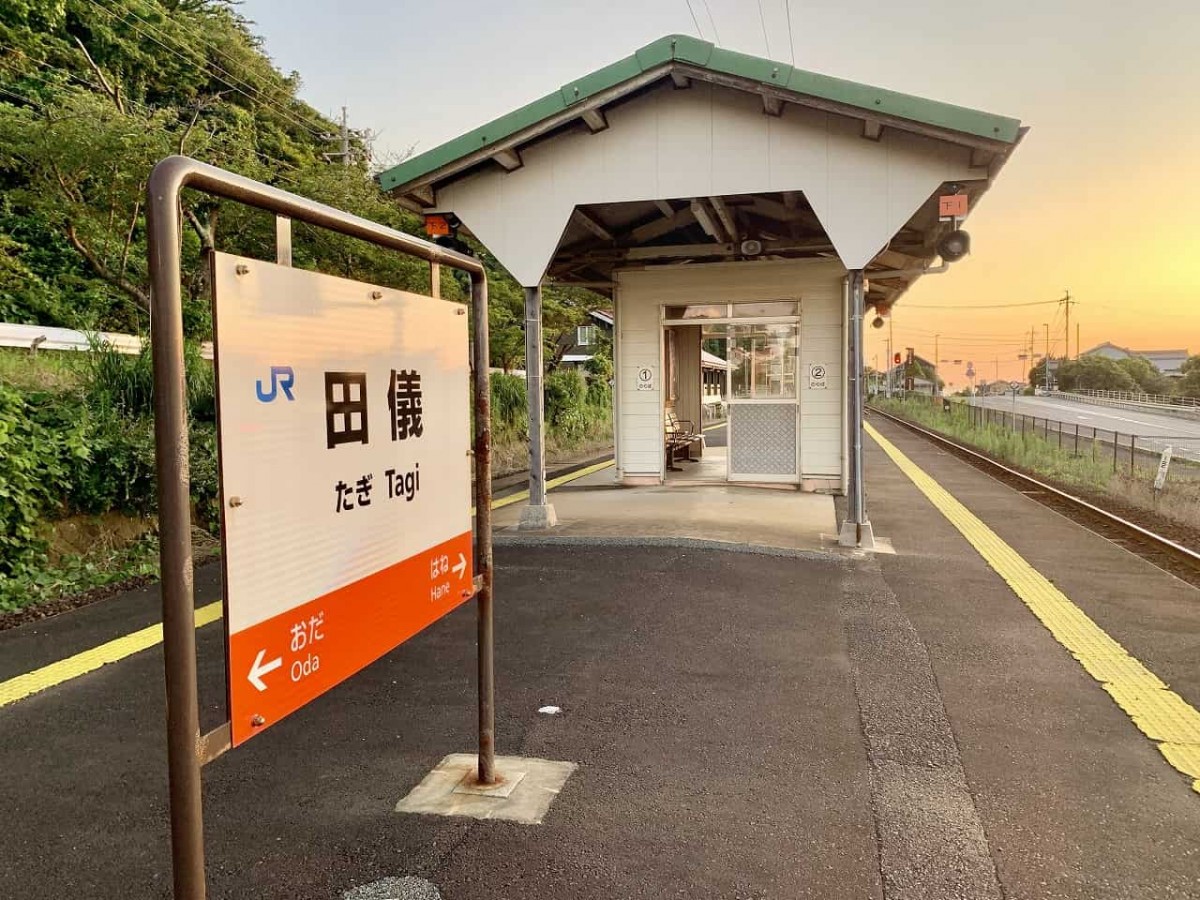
(77, 438)
(85, 445)
(576, 407)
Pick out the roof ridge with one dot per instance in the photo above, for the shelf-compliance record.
(679, 50)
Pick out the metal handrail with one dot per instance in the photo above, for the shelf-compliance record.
(1137, 397)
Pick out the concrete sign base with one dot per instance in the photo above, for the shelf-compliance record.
(524, 792)
(538, 518)
(860, 536)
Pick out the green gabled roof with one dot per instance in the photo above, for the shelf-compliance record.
(697, 54)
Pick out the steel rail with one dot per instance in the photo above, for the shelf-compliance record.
(1189, 555)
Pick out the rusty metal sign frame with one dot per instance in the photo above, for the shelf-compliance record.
(187, 749)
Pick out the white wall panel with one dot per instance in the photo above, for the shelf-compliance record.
(642, 292)
(706, 141)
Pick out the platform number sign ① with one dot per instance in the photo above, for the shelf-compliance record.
(344, 440)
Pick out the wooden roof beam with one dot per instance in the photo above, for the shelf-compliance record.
(707, 221)
(594, 119)
(725, 216)
(593, 225)
(656, 229)
(509, 160)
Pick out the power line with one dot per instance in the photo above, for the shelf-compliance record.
(963, 308)
(27, 100)
(713, 22)
(763, 21)
(695, 21)
(207, 67)
(787, 5)
(45, 80)
(262, 97)
(147, 110)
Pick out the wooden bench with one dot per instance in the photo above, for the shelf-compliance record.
(679, 434)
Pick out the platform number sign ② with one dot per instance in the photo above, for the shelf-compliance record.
(818, 377)
(345, 477)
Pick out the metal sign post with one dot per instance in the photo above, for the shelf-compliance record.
(187, 749)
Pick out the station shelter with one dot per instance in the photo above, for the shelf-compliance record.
(720, 197)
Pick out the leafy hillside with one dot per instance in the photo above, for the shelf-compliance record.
(93, 92)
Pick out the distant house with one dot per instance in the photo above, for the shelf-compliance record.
(587, 337)
(920, 385)
(1168, 362)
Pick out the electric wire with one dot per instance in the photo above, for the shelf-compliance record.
(695, 21)
(207, 66)
(762, 19)
(270, 162)
(961, 307)
(713, 22)
(787, 5)
(210, 65)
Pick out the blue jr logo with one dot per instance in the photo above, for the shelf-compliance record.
(281, 377)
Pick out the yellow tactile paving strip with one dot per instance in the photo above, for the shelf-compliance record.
(1158, 712)
(22, 686)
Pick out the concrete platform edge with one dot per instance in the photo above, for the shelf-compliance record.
(518, 539)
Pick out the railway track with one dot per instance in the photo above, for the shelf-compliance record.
(1171, 556)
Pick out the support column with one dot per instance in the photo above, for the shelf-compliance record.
(856, 531)
(538, 514)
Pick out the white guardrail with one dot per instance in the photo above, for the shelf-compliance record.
(1186, 410)
(45, 337)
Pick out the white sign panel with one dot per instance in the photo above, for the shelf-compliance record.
(645, 378)
(1164, 464)
(818, 377)
(345, 477)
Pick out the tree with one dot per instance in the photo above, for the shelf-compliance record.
(1189, 384)
(1037, 374)
(506, 324)
(1146, 374)
(1094, 373)
(95, 94)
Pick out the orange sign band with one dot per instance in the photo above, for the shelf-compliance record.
(282, 663)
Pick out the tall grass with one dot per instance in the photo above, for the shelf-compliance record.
(1029, 451)
(123, 384)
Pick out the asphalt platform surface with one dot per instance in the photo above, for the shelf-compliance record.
(745, 725)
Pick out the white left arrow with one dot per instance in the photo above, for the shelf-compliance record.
(460, 567)
(260, 668)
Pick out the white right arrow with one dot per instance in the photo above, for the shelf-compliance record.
(259, 669)
(460, 567)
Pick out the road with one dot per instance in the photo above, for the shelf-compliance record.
(1152, 429)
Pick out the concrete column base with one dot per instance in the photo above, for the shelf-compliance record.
(850, 535)
(537, 518)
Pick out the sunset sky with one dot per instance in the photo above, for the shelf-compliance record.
(1100, 199)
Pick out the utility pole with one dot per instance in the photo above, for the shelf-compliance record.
(1068, 301)
(345, 139)
(1046, 359)
(937, 360)
(1077, 344)
(891, 366)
